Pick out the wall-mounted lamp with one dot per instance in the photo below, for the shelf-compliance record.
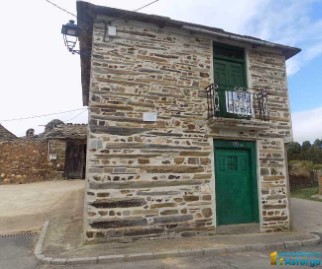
(71, 33)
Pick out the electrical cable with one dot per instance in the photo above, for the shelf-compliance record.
(62, 9)
(135, 10)
(44, 115)
(149, 4)
(70, 13)
(76, 116)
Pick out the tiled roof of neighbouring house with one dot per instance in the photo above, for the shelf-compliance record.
(5, 134)
(68, 130)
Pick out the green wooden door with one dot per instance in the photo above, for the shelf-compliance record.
(228, 75)
(236, 190)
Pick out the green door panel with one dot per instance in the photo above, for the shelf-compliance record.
(236, 198)
(227, 75)
(236, 74)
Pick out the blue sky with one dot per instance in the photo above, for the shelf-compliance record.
(40, 77)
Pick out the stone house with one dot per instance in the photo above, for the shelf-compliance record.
(187, 127)
(67, 148)
(6, 135)
(58, 153)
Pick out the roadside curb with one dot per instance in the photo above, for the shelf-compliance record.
(166, 254)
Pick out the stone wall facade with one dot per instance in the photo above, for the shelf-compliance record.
(157, 178)
(57, 147)
(26, 160)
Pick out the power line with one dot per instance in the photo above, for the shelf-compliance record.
(149, 4)
(76, 115)
(44, 115)
(70, 13)
(62, 9)
(135, 10)
(85, 20)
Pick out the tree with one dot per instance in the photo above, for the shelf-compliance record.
(294, 151)
(318, 143)
(306, 146)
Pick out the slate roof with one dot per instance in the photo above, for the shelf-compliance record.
(6, 135)
(67, 131)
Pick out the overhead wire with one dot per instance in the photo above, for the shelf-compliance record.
(74, 15)
(149, 4)
(43, 115)
(76, 116)
(62, 9)
(135, 10)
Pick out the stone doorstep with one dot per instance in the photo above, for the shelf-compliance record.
(166, 254)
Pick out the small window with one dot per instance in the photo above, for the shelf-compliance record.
(230, 52)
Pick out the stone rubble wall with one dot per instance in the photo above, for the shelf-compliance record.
(58, 148)
(267, 71)
(273, 185)
(24, 161)
(156, 178)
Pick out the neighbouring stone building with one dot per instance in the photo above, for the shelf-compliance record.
(67, 148)
(187, 127)
(6, 135)
(58, 153)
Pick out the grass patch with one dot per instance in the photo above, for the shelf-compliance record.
(306, 193)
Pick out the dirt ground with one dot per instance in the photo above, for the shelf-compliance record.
(25, 207)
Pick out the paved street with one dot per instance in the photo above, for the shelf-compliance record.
(307, 215)
(15, 253)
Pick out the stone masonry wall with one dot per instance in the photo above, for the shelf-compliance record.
(157, 178)
(24, 161)
(148, 177)
(58, 148)
(267, 71)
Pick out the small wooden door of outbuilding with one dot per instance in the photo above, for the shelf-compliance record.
(75, 159)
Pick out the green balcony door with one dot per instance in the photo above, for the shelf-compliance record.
(229, 72)
(236, 187)
(228, 75)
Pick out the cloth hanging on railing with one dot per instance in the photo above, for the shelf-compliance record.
(239, 102)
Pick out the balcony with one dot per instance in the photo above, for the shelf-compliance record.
(237, 109)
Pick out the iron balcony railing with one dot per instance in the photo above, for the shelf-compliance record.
(236, 103)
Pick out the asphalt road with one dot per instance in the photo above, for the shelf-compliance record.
(17, 253)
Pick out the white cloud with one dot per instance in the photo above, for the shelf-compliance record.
(292, 66)
(289, 22)
(307, 125)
